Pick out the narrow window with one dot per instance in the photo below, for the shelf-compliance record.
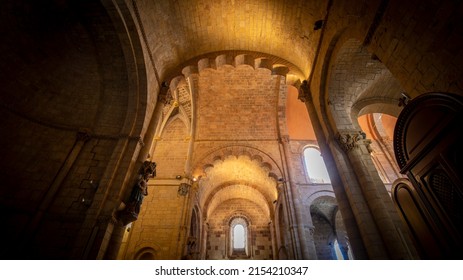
(315, 166)
(238, 237)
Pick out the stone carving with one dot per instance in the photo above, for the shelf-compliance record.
(304, 92)
(351, 140)
(348, 141)
(139, 191)
(183, 189)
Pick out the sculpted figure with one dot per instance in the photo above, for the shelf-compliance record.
(139, 191)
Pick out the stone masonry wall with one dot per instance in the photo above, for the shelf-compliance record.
(261, 242)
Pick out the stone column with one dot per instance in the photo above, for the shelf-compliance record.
(203, 252)
(344, 204)
(115, 242)
(271, 228)
(306, 243)
(358, 151)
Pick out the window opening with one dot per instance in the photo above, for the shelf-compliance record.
(315, 166)
(238, 237)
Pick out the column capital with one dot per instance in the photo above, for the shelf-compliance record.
(350, 140)
(183, 189)
(304, 92)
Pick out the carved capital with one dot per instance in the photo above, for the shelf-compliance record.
(349, 140)
(304, 92)
(183, 189)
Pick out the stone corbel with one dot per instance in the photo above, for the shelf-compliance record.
(304, 92)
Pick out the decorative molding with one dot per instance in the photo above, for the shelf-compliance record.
(257, 60)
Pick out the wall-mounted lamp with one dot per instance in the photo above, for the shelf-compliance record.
(178, 177)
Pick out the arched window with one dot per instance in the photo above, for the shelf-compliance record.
(315, 166)
(238, 237)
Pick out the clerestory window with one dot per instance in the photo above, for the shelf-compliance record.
(315, 166)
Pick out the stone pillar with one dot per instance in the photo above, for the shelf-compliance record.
(205, 229)
(306, 243)
(344, 204)
(358, 151)
(115, 242)
(271, 228)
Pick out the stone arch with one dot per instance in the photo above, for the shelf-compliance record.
(220, 153)
(352, 73)
(323, 210)
(145, 253)
(194, 235)
(379, 128)
(252, 193)
(233, 58)
(171, 162)
(236, 173)
(172, 119)
(235, 220)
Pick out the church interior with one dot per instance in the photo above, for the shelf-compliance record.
(231, 129)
